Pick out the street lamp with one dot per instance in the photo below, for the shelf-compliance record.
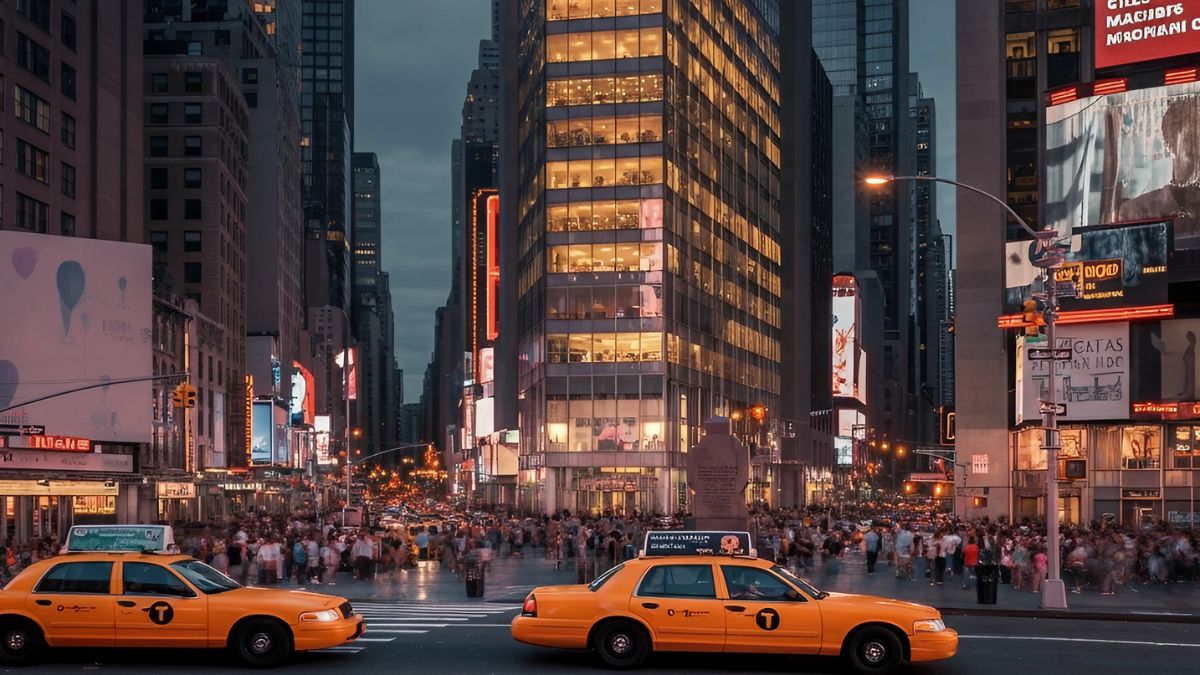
(1054, 592)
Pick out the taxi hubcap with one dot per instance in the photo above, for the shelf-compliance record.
(874, 652)
(260, 643)
(620, 643)
(16, 640)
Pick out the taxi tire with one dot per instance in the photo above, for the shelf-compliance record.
(621, 645)
(875, 650)
(275, 634)
(30, 636)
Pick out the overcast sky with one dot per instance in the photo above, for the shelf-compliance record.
(413, 58)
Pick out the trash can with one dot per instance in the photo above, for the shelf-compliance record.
(987, 583)
(473, 576)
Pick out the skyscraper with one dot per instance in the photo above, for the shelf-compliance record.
(327, 132)
(639, 171)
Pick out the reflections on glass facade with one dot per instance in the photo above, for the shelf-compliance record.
(649, 236)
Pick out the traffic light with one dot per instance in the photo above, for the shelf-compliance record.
(758, 412)
(1033, 318)
(177, 397)
(1072, 469)
(189, 396)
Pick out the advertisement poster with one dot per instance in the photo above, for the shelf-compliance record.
(76, 311)
(1126, 157)
(262, 432)
(283, 439)
(1145, 30)
(1178, 349)
(218, 430)
(1094, 384)
(848, 356)
(1111, 266)
(843, 451)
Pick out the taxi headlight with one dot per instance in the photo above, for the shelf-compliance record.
(322, 616)
(929, 626)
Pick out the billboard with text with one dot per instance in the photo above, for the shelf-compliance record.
(1093, 384)
(1131, 31)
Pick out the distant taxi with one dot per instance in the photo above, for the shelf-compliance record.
(727, 603)
(135, 599)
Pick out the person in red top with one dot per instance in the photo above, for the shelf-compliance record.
(970, 560)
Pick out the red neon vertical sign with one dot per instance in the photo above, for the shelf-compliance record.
(493, 266)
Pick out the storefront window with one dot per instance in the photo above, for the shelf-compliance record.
(1141, 447)
(1185, 447)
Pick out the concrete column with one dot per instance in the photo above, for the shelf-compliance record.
(24, 517)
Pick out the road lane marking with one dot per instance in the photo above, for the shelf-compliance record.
(389, 627)
(481, 625)
(344, 649)
(1039, 638)
(367, 639)
(415, 618)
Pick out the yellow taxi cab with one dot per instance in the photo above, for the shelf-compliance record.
(100, 596)
(682, 595)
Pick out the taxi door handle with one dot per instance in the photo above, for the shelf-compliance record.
(126, 603)
(43, 603)
(735, 608)
(650, 605)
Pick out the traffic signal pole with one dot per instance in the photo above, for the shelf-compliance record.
(1054, 591)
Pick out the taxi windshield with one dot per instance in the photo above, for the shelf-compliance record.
(595, 585)
(804, 585)
(207, 579)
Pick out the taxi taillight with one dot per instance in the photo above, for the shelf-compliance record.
(530, 606)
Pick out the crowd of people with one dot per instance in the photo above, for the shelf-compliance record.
(912, 544)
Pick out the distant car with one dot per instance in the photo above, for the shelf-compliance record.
(693, 603)
(126, 599)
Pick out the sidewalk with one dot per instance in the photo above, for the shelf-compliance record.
(510, 579)
(1178, 603)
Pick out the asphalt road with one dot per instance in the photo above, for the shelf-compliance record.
(464, 639)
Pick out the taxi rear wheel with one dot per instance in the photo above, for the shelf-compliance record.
(262, 643)
(875, 650)
(21, 642)
(621, 644)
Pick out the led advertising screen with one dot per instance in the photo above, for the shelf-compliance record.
(76, 312)
(847, 349)
(843, 451)
(262, 433)
(1111, 266)
(1131, 31)
(1124, 158)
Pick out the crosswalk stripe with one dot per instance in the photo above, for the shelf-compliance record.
(367, 639)
(374, 621)
(344, 649)
(389, 632)
(400, 630)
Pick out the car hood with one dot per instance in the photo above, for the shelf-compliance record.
(874, 602)
(278, 596)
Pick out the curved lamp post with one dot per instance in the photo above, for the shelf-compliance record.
(1054, 592)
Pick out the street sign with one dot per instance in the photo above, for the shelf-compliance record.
(22, 429)
(1066, 289)
(1045, 408)
(1046, 354)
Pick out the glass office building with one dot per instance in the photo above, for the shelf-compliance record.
(649, 285)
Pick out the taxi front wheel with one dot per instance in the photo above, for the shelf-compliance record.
(262, 643)
(875, 651)
(21, 642)
(622, 644)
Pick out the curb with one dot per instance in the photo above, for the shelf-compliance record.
(1130, 616)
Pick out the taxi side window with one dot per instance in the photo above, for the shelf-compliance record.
(77, 577)
(678, 581)
(752, 583)
(149, 579)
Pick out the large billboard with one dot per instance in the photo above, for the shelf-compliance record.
(76, 312)
(1110, 265)
(1094, 384)
(1178, 356)
(1130, 31)
(302, 407)
(262, 433)
(1126, 157)
(848, 368)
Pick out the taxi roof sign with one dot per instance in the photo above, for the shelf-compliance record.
(693, 542)
(121, 538)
